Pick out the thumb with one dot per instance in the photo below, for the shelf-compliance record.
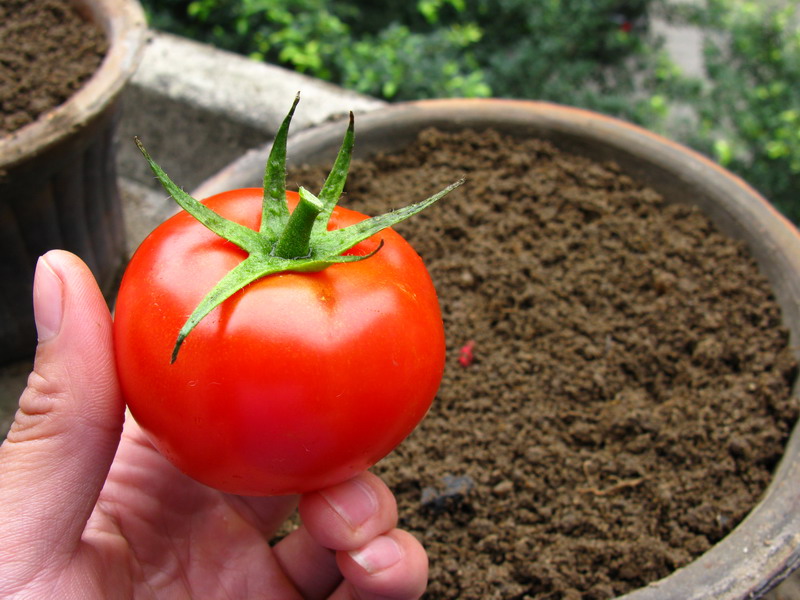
(64, 436)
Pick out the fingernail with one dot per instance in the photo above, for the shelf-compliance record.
(48, 294)
(353, 500)
(380, 554)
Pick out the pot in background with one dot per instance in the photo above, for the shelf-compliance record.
(58, 183)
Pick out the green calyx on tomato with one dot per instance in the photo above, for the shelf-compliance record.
(296, 241)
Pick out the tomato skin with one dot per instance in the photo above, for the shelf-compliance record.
(298, 381)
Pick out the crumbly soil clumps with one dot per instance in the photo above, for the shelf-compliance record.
(47, 52)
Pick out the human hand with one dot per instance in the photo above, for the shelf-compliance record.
(89, 509)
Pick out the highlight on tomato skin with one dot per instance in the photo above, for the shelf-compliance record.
(260, 380)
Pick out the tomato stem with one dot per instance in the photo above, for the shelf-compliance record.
(295, 237)
(298, 241)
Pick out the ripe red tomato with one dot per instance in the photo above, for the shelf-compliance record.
(296, 382)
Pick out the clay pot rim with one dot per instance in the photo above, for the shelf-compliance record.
(765, 547)
(125, 26)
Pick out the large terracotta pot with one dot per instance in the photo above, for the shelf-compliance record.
(765, 547)
(58, 185)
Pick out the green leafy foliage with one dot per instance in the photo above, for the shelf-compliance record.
(553, 50)
(749, 108)
(398, 63)
(328, 40)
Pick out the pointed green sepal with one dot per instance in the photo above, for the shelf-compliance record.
(340, 240)
(244, 273)
(296, 241)
(242, 236)
(334, 184)
(274, 210)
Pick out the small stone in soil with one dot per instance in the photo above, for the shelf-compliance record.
(452, 493)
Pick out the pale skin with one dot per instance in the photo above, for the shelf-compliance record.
(90, 510)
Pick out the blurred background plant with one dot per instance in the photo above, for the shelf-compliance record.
(602, 55)
(748, 108)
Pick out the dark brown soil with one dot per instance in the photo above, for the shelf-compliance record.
(630, 390)
(47, 51)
